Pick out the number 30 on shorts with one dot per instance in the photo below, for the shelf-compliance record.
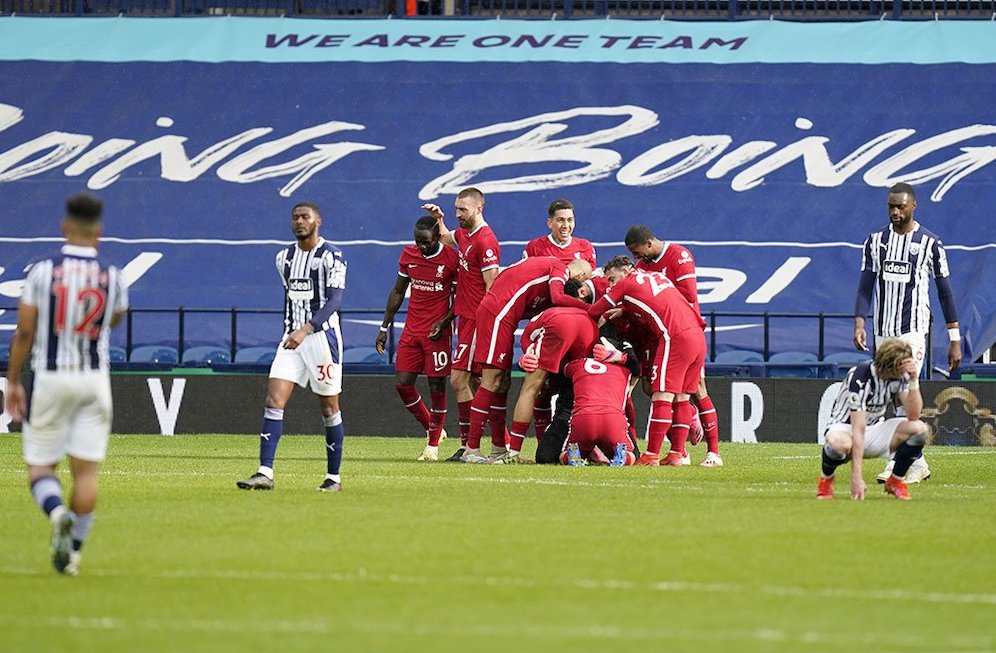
(325, 372)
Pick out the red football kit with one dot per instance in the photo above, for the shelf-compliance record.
(574, 248)
(676, 263)
(559, 334)
(431, 280)
(651, 300)
(479, 251)
(598, 418)
(521, 290)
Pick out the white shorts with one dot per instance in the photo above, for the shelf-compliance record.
(917, 342)
(70, 413)
(316, 362)
(877, 436)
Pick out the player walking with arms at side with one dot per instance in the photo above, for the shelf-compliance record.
(70, 302)
(313, 273)
(429, 269)
(897, 263)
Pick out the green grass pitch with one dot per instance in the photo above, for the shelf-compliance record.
(446, 557)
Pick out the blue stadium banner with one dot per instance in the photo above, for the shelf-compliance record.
(201, 134)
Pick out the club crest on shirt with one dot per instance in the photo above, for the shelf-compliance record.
(914, 248)
(439, 271)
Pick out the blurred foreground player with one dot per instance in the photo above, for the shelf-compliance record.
(70, 302)
(313, 273)
(858, 428)
(430, 270)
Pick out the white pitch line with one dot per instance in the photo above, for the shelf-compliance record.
(520, 629)
(667, 587)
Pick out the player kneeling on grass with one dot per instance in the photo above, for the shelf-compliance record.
(599, 428)
(858, 428)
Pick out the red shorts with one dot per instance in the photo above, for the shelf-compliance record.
(602, 430)
(419, 355)
(463, 355)
(553, 345)
(495, 340)
(677, 362)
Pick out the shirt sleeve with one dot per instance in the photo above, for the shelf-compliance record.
(34, 284)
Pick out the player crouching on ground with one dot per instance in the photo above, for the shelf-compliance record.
(858, 428)
(599, 427)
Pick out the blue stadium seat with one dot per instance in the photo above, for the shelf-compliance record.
(205, 356)
(161, 354)
(797, 364)
(118, 354)
(736, 362)
(363, 356)
(261, 355)
(739, 356)
(839, 362)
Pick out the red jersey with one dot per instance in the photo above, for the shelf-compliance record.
(528, 286)
(575, 248)
(574, 331)
(677, 264)
(652, 300)
(599, 388)
(431, 281)
(479, 251)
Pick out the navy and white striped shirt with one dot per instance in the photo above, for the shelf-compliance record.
(862, 389)
(76, 293)
(902, 265)
(313, 284)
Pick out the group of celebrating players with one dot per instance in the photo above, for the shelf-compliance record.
(591, 338)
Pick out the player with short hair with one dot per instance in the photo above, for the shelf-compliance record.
(653, 302)
(678, 265)
(858, 428)
(70, 302)
(897, 263)
(430, 270)
(522, 290)
(560, 243)
(480, 256)
(313, 272)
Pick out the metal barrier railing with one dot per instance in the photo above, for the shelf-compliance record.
(801, 10)
(714, 320)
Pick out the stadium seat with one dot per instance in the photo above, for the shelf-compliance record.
(739, 356)
(205, 356)
(736, 362)
(118, 354)
(839, 362)
(363, 356)
(160, 354)
(797, 364)
(261, 355)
